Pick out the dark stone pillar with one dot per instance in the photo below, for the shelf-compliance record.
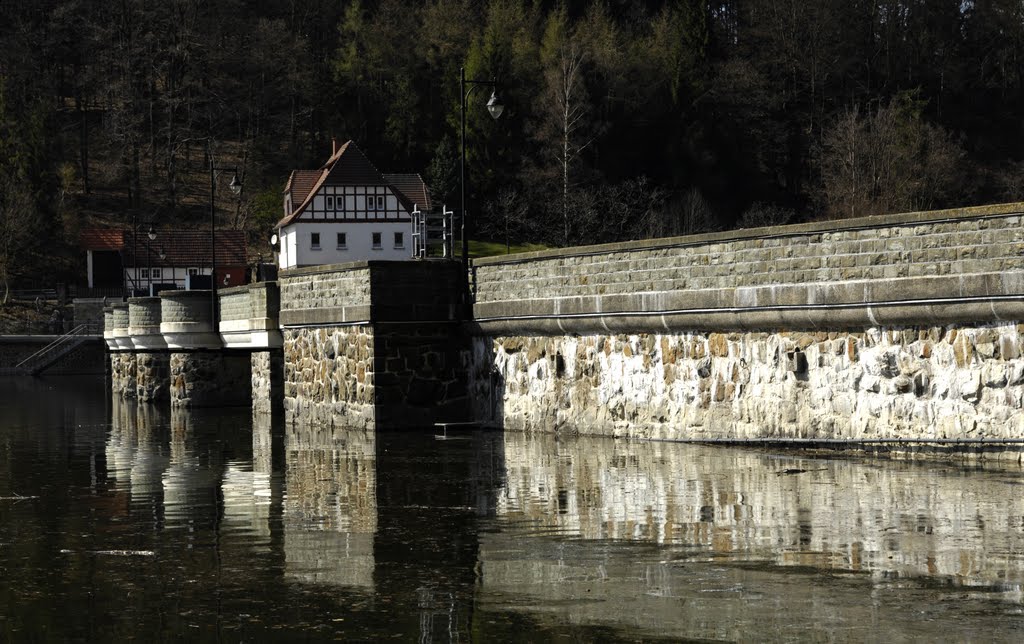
(210, 379)
(153, 376)
(267, 381)
(123, 374)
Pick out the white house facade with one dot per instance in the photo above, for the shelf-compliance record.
(348, 211)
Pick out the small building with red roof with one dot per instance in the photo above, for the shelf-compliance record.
(347, 210)
(174, 259)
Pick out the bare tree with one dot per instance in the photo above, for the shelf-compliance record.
(16, 211)
(887, 161)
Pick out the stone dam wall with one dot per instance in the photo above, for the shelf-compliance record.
(373, 345)
(898, 327)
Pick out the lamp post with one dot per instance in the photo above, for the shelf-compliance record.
(236, 187)
(495, 107)
(149, 263)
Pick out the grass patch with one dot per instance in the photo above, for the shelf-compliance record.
(479, 248)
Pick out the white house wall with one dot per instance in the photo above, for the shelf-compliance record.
(358, 242)
(168, 275)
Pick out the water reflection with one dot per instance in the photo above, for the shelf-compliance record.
(137, 455)
(330, 506)
(616, 530)
(203, 525)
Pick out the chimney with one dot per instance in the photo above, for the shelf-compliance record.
(334, 146)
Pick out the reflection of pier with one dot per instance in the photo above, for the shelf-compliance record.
(330, 507)
(751, 512)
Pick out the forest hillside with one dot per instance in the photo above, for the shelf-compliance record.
(623, 119)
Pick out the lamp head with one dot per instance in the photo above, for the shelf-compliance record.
(235, 185)
(495, 105)
(151, 234)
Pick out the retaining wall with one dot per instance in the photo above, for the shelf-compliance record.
(886, 327)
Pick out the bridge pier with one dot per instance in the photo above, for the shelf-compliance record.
(209, 379)
(122, 356)
(267, 369)
(373, 345)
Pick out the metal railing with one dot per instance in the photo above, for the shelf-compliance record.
(57, 349)
(432, 234)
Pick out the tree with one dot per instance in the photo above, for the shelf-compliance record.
(16, 219)
(889, 160)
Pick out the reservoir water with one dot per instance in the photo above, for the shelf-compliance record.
(121, 521)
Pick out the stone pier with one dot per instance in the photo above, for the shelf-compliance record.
(374, 345)
(202, 373)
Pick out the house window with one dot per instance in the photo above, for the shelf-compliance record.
(145, 273)
(314, 241)
(399, 240)
(342, 241)
(376, 241)
(330, 203)
(156, 273)
(369, 202)
(380, 203)
(193, 271)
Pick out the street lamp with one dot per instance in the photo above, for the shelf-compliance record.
(495, 107)
(236, 188)
(149, 263)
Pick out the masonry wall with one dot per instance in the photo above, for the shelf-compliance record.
(373, 345)
(947, 254)
(123, 370)
(328, 376)
(893, 327)
(152, 376)
(267, 381)
(210, 379)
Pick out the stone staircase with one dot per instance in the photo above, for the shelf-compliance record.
(56, 350)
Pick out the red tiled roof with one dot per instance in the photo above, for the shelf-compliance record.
(346, 167)
(412, 187)
(301, 184)
(101, 239)
(185, 248)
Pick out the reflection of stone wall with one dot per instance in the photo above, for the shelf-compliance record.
(954, 382)
(906, 518)
(210, 379)
(123, 371)
(330, 508)
(152, 380)
(267, 380)
(328, 376)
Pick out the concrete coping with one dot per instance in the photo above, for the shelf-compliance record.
(792, 230)
(246, 288)
(361, 265)
(196, 293)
